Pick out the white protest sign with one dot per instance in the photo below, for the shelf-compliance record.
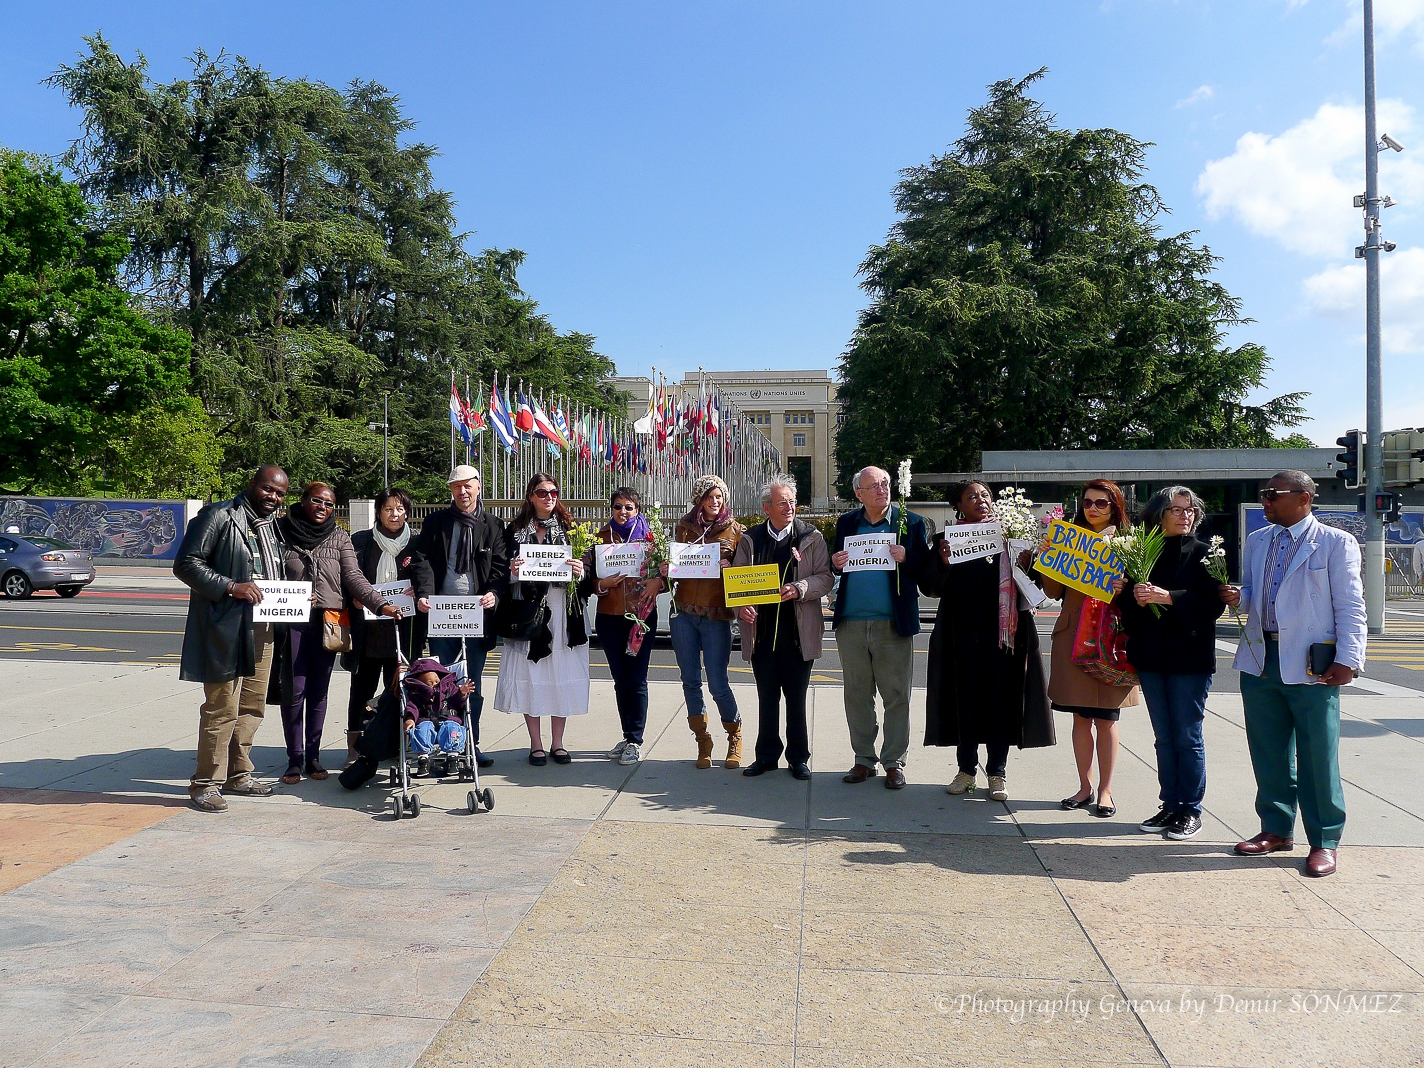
(1032, 593)
(545, 563)
(401, 594)
(282, 602)
(622, 558)
(694, 560)
(869, 552)
(456, 617)
(971, 541)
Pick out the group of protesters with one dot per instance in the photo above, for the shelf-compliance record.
(986, 687)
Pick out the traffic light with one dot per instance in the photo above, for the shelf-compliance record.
(1352, 460)
(1388, 506)
(1403, 457)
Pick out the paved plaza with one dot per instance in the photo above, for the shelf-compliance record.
(664, 915)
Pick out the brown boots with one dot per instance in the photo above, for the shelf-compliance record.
(704, 740)
(734, 743)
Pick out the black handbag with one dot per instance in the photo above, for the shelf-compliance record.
(518, 620)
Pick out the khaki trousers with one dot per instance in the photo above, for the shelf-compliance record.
(874, 657)
(228, 721)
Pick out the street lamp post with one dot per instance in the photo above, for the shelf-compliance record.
(385, 429)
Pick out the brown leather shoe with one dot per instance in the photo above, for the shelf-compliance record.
(859, 773)
(1320, 863)
(895, 779)
(1263, 843)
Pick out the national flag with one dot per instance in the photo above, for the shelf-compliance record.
(524, 418)
(500, 419)
(473, 419)
(544, 426)
(457, 416)
(648, 424)
(714, 415)
(562, 425)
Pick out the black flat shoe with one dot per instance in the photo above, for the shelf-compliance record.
(1069, 804)
(538, 757)
(800, 771)
(560, 755)
(756, 767)
(1104, 811)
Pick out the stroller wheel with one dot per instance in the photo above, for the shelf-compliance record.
(397, 809)
(487, 796)
(471, 803)
(414, 805)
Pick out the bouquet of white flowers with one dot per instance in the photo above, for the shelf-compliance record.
(904, 487)
(1215, 563)
(1014, 512)
(1139, 553)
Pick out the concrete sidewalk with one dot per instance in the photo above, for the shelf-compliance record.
(607, 915)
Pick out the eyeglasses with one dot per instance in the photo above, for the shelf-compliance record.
(1093, 504)
(547, 494)
(1180, 512)
(876, 487)
(1275, 494)
(317, 502)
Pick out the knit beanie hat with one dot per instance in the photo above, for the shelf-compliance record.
(705, 485)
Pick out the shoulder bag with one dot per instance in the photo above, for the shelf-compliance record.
(1100, 644)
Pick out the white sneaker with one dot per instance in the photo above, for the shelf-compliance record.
(630, 754)
(998, 787)
(962, 782)
(617, 750)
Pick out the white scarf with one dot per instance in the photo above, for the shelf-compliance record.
(386, 570)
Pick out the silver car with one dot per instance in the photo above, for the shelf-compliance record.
(33, 562)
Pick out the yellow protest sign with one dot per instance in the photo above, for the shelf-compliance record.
(1079, 559)
(757, 584)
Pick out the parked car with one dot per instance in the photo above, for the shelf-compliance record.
(664, 618)
(32, 562)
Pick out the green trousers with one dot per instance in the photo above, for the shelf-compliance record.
(1294, 736)
(874, 657)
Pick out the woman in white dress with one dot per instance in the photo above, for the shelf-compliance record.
(548, 674)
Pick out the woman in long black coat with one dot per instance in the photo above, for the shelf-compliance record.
(374, 652)
(986, 684)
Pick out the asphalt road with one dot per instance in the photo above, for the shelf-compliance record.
(146, 626)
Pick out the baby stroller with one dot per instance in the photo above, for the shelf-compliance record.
(466, 766)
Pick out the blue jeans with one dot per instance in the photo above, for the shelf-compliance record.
(630, 673)
(1177, 705)
(447, 651)
(697, 639)
(424, 737)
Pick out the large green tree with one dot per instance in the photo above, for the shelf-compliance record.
(1026, 299)
(92, 393)
(295, 232)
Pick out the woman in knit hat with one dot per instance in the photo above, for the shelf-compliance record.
(701, 627)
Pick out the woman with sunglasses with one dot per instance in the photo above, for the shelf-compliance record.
(985, 683)
(1175, 655)
(626, 621)
(1095, 705)
(319, 552)
(548, 673)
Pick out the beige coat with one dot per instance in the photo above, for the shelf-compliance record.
(1067, 685)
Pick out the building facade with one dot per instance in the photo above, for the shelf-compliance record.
(798, 411)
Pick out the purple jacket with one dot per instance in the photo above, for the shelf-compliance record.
(436, 703)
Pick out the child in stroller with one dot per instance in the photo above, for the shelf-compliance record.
(434, 715)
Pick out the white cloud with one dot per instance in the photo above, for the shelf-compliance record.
(1339, 292)
(1199, 94)
(1298, 186)
(1393, 19)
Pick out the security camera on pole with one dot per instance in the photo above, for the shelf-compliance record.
(1371, 202)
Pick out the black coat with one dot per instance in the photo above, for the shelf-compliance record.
(977, 691)
(574, 622)
(377, 638)
(491, 554)
(217, 640)
(1182, 641)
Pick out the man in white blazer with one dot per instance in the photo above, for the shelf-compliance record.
(1301, 586)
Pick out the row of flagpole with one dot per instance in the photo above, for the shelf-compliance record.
(510, 433)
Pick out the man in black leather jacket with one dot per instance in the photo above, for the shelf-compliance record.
(225, 548)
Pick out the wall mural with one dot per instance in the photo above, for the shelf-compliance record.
(110, 529)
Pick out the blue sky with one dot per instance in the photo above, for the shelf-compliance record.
(697, 184)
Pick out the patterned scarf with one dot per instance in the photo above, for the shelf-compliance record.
(1008, 599)
(262, 529)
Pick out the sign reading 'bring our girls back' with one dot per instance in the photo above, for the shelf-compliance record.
(1079, 559)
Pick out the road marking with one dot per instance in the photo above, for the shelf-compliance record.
(86, 630)
(58, 647)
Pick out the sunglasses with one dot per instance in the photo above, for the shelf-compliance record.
(623, 506)
(547, 494)
(1093, 504)
(1275, 494)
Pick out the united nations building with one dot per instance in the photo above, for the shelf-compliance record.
(797, 410)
